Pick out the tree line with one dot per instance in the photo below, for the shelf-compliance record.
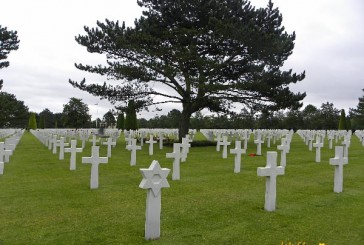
(75, 114)
(326, 117)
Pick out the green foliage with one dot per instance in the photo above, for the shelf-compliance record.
(131, 122)
(326, 117)
(109, 119)
(48, 119)
(8, 42)
(342, 122)
(357, 114)
(120, 121)
(201, 54)
(75, 114)
(13, 112)
(348, 123)
(32, 124)
(41, 121)
(329, 116)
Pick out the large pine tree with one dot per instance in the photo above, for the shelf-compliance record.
(211, 54)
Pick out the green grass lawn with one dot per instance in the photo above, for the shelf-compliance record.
(43, 202)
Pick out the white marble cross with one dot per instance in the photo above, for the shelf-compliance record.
(338, 161)
(55, 143)
(94, 140)
(142, 136)
(259, 143)
(346, 144)
(73, 150)
(84, 137)
(128, 139)
(1, 168)
(245, 137)
(4, 154)
(161, 138)
(185, 145)
(177, 155)
(318, 145)
(109, 143)
(284, 149)
(269, 136)
(62, 144)
(238, 151)
(310, 142)
(224, 144)
(270, 171)
(133, 147)
(330, 138)
(151, 143)
(50, 141)
(94, 160)
(154, 178)
(218, 142)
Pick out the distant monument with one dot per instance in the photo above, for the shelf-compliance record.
(101, 131)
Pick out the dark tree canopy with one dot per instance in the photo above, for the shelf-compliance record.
(8, 42)
(75, 114)
(342, 122)
(13, 112)
(109, 119)
(357, 114)
(120, 121)
(202, 54)
(48, 118)
(131, 121)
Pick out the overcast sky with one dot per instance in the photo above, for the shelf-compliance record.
(329, 47)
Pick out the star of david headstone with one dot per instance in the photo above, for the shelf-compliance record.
(154, 178)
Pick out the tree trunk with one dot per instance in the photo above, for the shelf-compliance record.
(184, 124)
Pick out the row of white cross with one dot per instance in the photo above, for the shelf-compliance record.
(54, 142)
(155, 177)
(7, 147)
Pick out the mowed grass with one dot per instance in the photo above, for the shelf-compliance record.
(43, 202)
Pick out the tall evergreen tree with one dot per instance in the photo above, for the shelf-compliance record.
(202, 54)
(120, 121)
(8, 42)
(41, 121)
(131, 121)
(342, 122)
(32, 124)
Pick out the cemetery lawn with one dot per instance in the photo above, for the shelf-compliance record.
(43, 202)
